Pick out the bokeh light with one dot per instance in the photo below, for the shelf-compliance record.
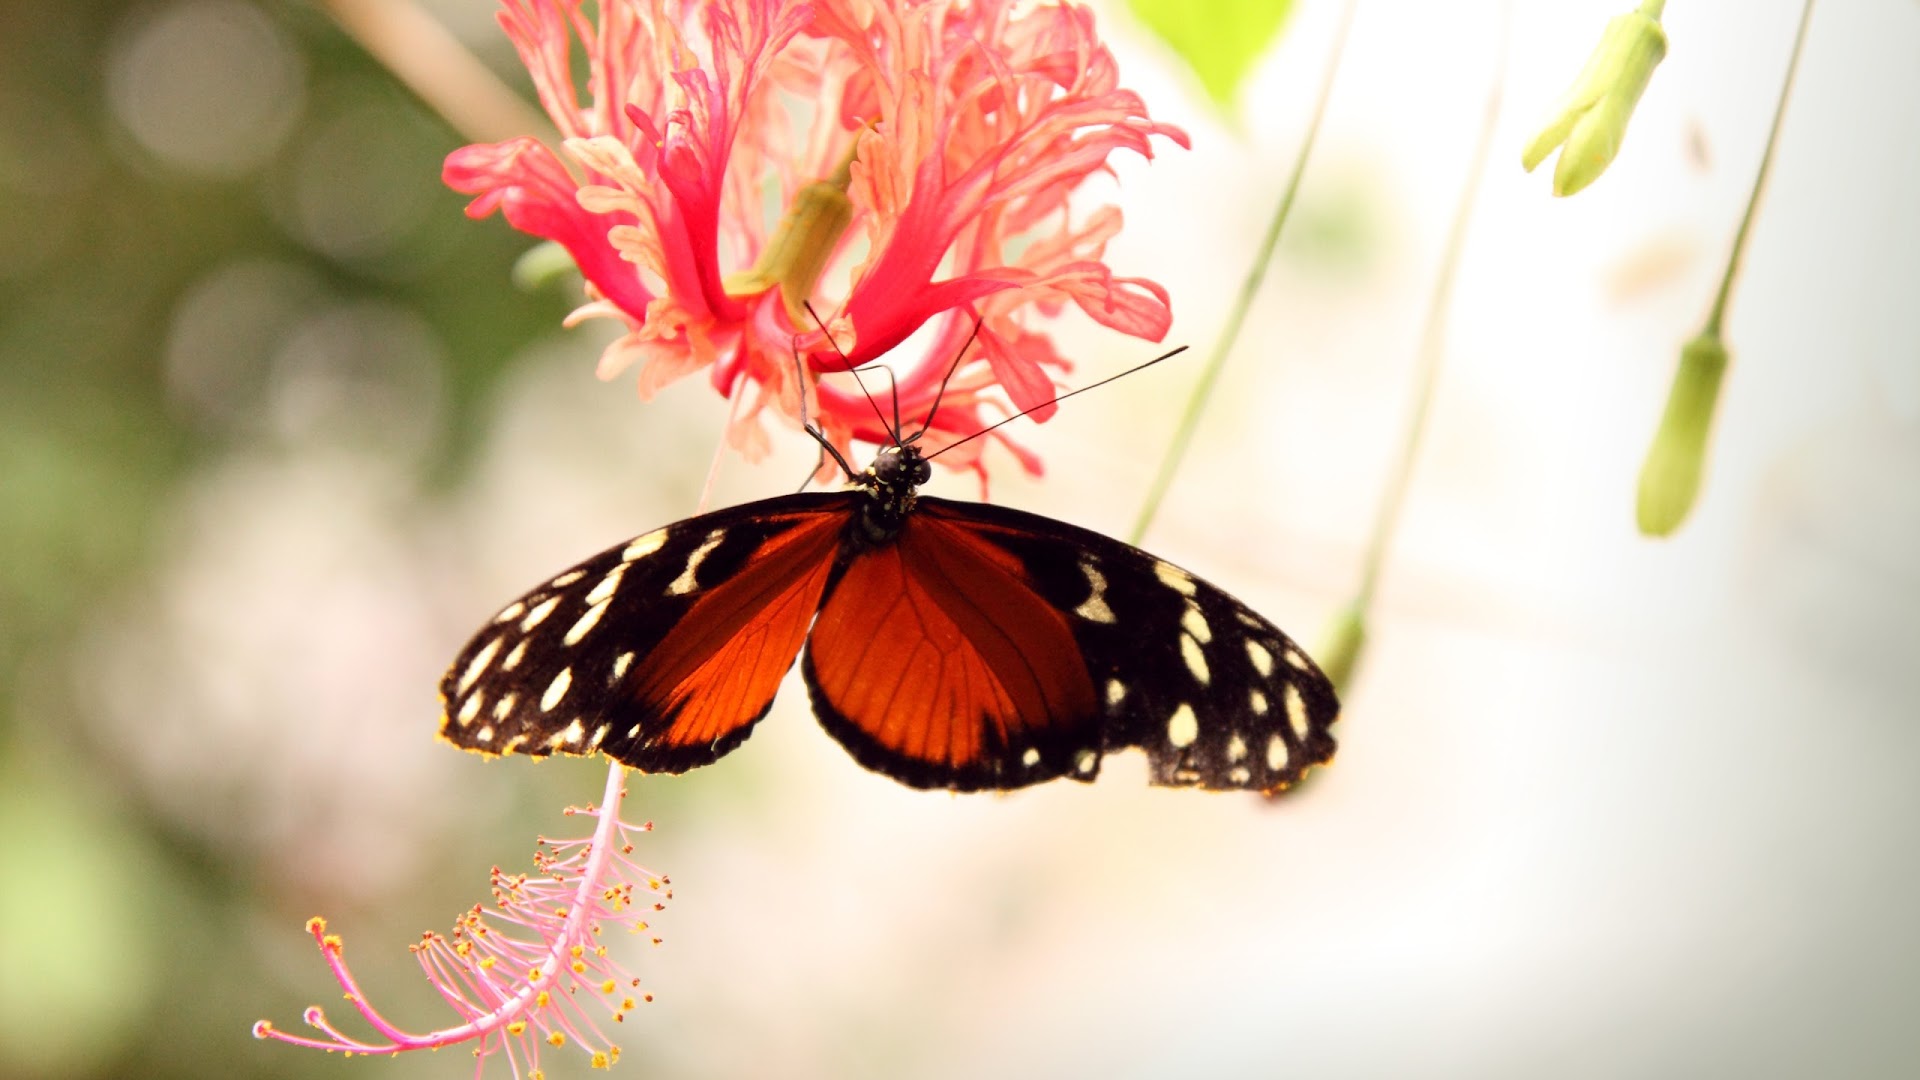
(209, 87)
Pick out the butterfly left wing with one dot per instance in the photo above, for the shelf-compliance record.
(663, 651)
(990, 648)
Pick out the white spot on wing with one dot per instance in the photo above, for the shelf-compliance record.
(644, 546)
(470, 708)
(539, 614)
(1236, 748)
(567, 578)
(1239, 775)
(1196, 660)
(1276, 754)
(1030, 758)
(603, 591)
(1296, 712)
(620, 665)
(513, 658)
(1259, 702)
(599, 736)
(478, 664)
(1183, 727)
(1196, 624)
(1262, 659)
(485, 734)
(1249, 620)
(504, 707)
(1296, 659)
(1085, 761)
(556, 689)
(1174, 578)
(568, 736)
(686, 582)
(1094, 608)
(514, 743)
(1116, 692)
(510, 612)
(579, 629)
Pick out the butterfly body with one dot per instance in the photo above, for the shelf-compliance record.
(947, 645)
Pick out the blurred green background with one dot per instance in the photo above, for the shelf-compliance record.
(276, 431)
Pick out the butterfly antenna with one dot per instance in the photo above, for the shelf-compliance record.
(1057, 398)
(942, 392)
(806, 422)
(892, 432)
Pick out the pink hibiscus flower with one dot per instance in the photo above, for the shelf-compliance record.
(925, 151)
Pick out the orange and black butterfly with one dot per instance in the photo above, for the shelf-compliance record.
(948, 645)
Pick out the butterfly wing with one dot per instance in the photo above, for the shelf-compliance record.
(990, 648)
(661, 652)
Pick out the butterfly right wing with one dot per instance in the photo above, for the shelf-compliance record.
(991, 648)
(661, 652)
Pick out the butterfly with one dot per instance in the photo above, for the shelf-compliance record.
(948, 644)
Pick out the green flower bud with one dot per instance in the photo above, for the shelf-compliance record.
(1592, 117)
(541, 265)
(1340, 646)
(1670, 479)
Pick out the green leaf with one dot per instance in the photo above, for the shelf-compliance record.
(1219, 39)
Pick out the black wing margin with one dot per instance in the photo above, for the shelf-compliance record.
(662, 651)
(1216, 695)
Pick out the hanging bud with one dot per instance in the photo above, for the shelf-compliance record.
(542, 265)
(1670, 479)
(1592, 117)
(1341, 645)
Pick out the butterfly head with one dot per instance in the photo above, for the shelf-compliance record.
(892, 480)
(900, 468)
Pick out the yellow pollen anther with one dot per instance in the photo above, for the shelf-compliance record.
(517, 1027)
(557, 1039)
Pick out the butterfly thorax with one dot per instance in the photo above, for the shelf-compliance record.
(891, 482)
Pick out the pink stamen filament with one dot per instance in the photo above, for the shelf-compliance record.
(460, 968)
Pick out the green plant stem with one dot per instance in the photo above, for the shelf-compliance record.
(1432, 340)
(420, 52)
(1237, 317)
(1759, 178)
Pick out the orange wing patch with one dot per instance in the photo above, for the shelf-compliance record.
(936, 650)
(721, 664)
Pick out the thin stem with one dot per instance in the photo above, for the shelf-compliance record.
(1432, 337)
(435, 65)
(1759, 178)
(1257, 273)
